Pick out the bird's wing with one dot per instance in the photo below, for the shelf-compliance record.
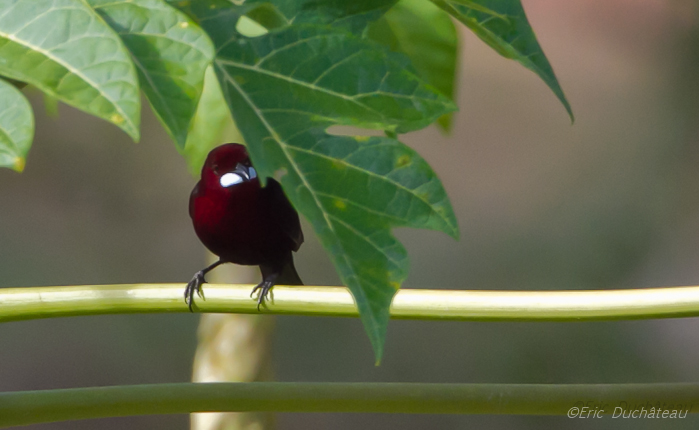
(195, 193)
(283, 213)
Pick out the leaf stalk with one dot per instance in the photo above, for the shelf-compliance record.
(468, 305)
(33, 407)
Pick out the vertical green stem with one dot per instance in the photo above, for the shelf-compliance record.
(233, 348)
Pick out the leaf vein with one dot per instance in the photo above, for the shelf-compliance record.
(76, 71)
(298, 82)
(369, 174)
(365, 238)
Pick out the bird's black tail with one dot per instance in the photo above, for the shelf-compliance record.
(289, 276)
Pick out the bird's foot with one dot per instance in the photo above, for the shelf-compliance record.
(265, 287)
(194, 286)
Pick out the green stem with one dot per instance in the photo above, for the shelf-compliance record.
(44, 302)
(33, 407)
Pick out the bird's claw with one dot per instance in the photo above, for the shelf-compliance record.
(194, 286)
(265, 287)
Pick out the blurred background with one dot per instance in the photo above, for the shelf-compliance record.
(609, 202)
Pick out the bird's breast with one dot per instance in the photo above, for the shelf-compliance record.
(232, 224)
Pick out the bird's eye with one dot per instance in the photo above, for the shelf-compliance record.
(252, 172)
(230, 179)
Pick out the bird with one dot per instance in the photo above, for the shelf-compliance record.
(242, 222)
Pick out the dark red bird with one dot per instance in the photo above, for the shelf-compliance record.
(243, 223)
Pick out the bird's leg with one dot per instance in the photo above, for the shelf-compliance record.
(196, 283)
(280, 270)
(265, 287)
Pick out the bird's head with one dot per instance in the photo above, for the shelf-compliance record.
(228, 166)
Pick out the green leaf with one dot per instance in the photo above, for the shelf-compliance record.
(341, 80)
(503, 25)
(349, 15)
(265, 15)
(211, 122)
(170, 52)
(285, 89)
(426, 34)
(473, 4)
(66, 50)
(51, 106)
(250, 28)
(18, 84)
(353, 190)
(16, 127)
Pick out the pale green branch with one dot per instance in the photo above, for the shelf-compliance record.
(33, 407)
(44, 302)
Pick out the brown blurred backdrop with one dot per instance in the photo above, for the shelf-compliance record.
(609, 202)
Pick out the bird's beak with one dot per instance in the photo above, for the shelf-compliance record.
(245, 172)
